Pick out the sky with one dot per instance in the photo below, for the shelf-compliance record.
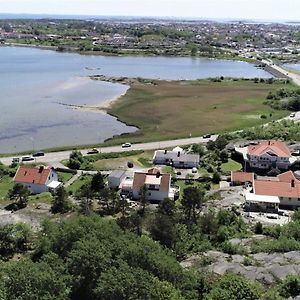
(210, 9)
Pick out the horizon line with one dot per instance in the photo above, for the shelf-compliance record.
(233, 19)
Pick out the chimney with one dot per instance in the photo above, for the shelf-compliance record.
(165, 151)
(158, 174)
(269, 143)
(293, 183)
(41, 168)
(178, 153)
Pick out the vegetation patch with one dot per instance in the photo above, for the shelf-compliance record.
(173, 109)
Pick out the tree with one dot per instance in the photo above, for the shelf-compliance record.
(25, 279)
(97, 182)
(123, 206)
(221, 142)
(75, 160)
(193, 49)
(60, 202)
(110, 199)
(191, 202)
(198, 148)
(85, 196)
(14, 239)
(162, 229)
(167, 207)
(234, 287)
(19, 193)
(143, 199)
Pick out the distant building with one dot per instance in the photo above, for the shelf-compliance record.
(37, 179)
(267, 155)
(177, 159)
(158, 185)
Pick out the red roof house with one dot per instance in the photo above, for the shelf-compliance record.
(37, 179)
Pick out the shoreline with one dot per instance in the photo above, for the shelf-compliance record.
(75, 50)
(104, 106)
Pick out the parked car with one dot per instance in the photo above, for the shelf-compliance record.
(15, 160)
(39, 153)
(27, 158)
(126, 145)
(206, 136)
(93, 151)
(292, 115)
(194, 170)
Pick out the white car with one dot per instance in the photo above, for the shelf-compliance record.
(292, 115)
(126, 145)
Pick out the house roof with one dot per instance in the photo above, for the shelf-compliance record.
(117, 174)
(237, 176)
(285, 185)
(176, 156)
(250, 197)
(36, 175)
(141, 178)
(272, 147)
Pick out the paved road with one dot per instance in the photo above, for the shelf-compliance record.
(54, 158)
(293, 76)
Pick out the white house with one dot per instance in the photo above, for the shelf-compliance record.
(158, 185)
(115, 178)
(177, 159)
(267, 155)
(272, 192)
(37, 179)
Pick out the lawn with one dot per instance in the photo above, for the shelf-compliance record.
(77, 184)
(6, 184)
(173, 109)
(142, 160)
(64, 176)
(231, 165)
(45, 198)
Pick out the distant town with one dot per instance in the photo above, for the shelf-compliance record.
(242, 40)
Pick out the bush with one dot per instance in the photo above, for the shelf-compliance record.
(258, 229)
(290, 287)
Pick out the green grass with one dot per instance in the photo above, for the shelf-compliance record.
(169, 170)
(175, 109)
(64, 176)
(77, 184)
(142, 160)
(45, 198)
(231, 165)
(183, 185)
(6, 184)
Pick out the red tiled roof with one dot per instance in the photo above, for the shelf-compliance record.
(37, 175)
(286, 185)
(276, 147)
(242, 177)
(139, 180)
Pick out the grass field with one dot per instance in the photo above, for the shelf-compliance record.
(77, 184)
(6, 184)
(64, 176)
(174, 109)
(231, 165)
(142, 160)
